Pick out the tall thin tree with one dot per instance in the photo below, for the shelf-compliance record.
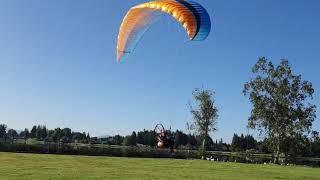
(205, 115)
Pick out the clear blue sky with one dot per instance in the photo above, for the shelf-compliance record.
(58, 63)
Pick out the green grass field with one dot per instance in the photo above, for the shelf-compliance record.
(37, 166)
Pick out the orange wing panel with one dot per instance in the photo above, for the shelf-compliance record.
(140, 17)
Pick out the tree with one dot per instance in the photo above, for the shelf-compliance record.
(205, 115)
(44, 132)
(297, 146)
(50, 134)
(243, 143)
(126, 141)
(33, 132)
(38, 132)
(85, 138)
(76, 137)
(251, 143)
(263, 146)
(117, 140)
(177, 139)
(211, 145)
(65, 140)
(315, 144)
(25, 134)
(140, 138)
(66, 134)
(133, 139)
(3, 130)
(191, 140)
(56, 135)
(12, 134)
(236, 143)
(280, 100)
(146, 137)
(315, 135)
(130, 140)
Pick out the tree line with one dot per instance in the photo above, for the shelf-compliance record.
(302, 146)
(139, 138)
(41, 133)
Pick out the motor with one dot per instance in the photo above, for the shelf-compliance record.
(162, 139)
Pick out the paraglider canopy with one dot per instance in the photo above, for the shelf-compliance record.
(191, 15)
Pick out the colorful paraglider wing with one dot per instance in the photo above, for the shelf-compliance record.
(192, 16)
(202, 18)
(135, 24)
